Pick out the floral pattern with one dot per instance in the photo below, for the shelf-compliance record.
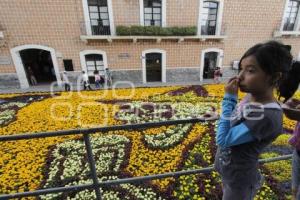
(28, 165)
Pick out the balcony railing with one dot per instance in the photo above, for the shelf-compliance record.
(286, 33)
(94, 30)
(104, 34)
(278, 32)
(100, 30)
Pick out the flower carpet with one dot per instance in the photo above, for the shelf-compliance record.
(28, 165)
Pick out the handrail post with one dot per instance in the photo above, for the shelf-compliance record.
(91, 160)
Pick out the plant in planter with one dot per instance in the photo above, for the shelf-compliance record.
(155, 31)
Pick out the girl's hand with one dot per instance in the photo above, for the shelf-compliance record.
(232, 86)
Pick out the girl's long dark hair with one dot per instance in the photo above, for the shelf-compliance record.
(276, 60)
(290, 83)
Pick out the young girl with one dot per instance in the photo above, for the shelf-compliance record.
(97, 79)
(291, 109)
(244, 132)
(217, 75)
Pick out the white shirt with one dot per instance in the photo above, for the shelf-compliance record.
(85, 77)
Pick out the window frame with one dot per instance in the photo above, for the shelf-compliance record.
(87, 18)
(297, 20)
(219, 16)
(153, 20)
(163, 13)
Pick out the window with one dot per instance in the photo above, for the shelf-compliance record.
(291, 16)
(94, 62)
(99, 17)
(152, 13)
(209, 16)
(68, 63)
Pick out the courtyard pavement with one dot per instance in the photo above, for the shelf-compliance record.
(46, 88)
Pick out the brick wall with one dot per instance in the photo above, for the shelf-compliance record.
(58, 24)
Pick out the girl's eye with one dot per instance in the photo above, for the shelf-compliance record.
(251, 70)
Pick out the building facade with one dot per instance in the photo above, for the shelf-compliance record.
(188, 39)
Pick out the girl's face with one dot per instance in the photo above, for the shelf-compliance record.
(252, 79)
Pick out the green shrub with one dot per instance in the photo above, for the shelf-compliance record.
(155, 31)
(122, 30)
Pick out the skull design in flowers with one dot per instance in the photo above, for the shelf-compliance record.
(69, 166)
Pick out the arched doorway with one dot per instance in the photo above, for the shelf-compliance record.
(210, 59)
(92, 60)
(154, 66)
(40, 61)
(210, 64)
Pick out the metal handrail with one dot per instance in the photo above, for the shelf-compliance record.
(96, 184)
(129, 180)
(24, 136)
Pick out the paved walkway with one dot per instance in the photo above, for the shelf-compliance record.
(46, 88)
